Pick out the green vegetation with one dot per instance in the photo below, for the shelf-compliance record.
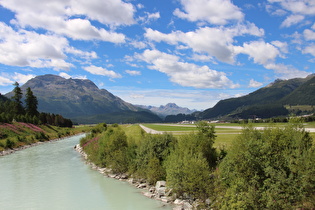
(18, 134)
(174, 127)
(83, 102)
(266, 102)
(20, 126)
(261, 169)
(13, 110)
(270, 169)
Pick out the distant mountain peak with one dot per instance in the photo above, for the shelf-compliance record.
(168, 109)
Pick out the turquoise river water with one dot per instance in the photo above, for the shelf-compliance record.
(54, 176)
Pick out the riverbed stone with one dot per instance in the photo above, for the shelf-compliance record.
(141, 186)
(187, 206)
(148, 194)
(160, 189)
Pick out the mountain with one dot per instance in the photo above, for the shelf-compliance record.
(266, 102)
(168, 109)
(82, 101)
(303, 95)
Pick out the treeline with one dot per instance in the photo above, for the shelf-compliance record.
(269, 169)
(14, 110)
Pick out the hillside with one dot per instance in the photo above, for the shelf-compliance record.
(303, 95)
(79, 99)
(266, 102)
(18, 135)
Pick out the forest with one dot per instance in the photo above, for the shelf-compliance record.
(262, 169)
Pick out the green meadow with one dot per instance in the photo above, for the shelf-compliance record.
(224, 135)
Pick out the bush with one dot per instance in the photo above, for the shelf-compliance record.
(41, 136)
(187, 170)
(153, 147)
(270, 169)
(10, 144)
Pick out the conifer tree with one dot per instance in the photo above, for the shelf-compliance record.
(18, 108)
(31, 103)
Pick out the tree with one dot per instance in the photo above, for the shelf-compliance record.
(269, 169)
(31, 103)
(18, 108)
(206, 136)
(187, 170)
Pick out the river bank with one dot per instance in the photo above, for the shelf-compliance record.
(158, 192)
(11, 151)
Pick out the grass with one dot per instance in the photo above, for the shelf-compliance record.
(21, 134)
(170, 127)
(133, 132)
(224, 135)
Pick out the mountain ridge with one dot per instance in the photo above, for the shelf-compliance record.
(168, 109)
(77, 98)
(266, 99)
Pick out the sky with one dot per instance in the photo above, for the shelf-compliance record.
(189, 52)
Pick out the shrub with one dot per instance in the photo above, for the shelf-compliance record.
(10, 144)
(270, 169)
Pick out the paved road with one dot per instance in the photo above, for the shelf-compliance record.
(152, 131)
(149, 130)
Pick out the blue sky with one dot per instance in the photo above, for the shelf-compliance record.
(189, 52)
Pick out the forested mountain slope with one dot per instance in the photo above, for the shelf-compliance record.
(268, 101)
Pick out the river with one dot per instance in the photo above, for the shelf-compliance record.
(54, 176)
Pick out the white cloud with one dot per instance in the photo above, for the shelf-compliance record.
(309, 34)
(82, 54)
(260, 51)
(254, 84)
(286, 72)
(265, 54)
(133, 73)
(83, 30)
(102, 71)
(149, 17)
(304, 7)
(292, 20)
(4, 81)
(67, 76)
(57, 16)
(114, 12)
(140, 6)
(282, 46)
(203, 58)
(217, 42)
(138, 44)
(185, 74)
(22, 78)
(298, 10)
(310, 49)
(9, 79)
(219, 12)
(25, 48)
(28, 48)
(64, 75)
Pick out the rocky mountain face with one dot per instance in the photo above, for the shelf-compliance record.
(79, 99)
(168, 109)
